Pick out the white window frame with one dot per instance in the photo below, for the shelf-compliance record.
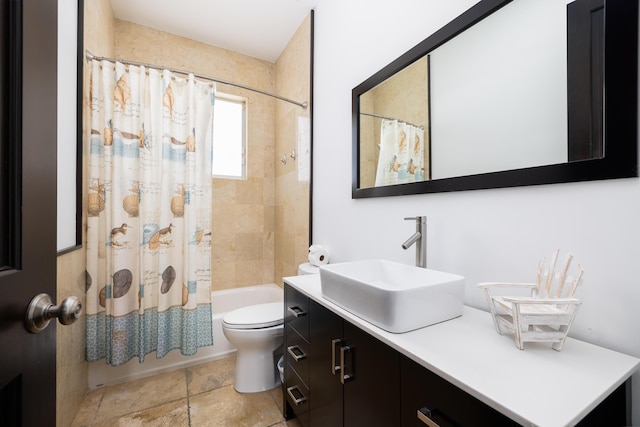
(225, 97)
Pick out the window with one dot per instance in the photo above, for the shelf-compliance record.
(229, 137)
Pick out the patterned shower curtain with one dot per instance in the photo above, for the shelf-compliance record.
(149, 213)
(401, 159)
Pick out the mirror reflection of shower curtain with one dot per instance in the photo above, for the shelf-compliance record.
(401, 157)
(149, 213)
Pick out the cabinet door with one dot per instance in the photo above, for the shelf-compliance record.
(448, 405)
(326, 402)
(372, 394)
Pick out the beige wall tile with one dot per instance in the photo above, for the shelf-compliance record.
(291, 195)
(244, 214)
(249, 273)
(224, 248)
(250, 192)
(223, 275)
(249, 219)
(239, 222)
(224, 190)
(249, 246)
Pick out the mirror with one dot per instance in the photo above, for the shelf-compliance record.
(502, 103)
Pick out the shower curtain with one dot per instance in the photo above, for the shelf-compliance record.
(148, 213)
(401, 157)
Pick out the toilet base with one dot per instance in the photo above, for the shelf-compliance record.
(255, 372)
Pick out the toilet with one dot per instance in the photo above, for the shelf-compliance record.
(256, 331)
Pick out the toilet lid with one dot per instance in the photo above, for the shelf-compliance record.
(255, 316)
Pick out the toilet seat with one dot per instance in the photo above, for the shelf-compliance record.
(255, 317)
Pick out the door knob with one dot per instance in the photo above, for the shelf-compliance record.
(41, 310)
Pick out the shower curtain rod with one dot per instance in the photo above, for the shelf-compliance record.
(89, 55)
(390, 118)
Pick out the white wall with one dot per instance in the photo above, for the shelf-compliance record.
(484, 234)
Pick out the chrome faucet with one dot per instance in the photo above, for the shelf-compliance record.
(420, 236)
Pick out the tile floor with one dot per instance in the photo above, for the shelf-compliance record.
(199, 396)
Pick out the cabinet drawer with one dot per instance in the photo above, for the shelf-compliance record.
(449, 405)
(296, 311)
(297, 354)
(297, 395)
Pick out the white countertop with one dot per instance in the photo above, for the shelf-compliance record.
(535, 386)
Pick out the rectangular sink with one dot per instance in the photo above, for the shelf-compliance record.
(395, 297)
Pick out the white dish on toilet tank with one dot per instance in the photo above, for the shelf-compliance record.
(395, 297)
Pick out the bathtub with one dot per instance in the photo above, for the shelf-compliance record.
(101, 374)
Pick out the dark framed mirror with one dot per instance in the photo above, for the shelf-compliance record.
(570, 104)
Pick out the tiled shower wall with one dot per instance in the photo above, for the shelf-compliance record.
(243, 210)
(293, 80)
(261, 224)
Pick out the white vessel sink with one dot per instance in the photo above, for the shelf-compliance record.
(395, 297)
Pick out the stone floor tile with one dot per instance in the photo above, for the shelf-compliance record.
(226, 407)
(134, 396)
(210, 376)
(88, 409)
(173, 414)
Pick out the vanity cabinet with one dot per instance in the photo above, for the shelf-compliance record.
(441, 401)
(338, 374)
(353, 378)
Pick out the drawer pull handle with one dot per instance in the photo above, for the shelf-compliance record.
(296, 352)
(335, 367)
(296, 311)
(297, 400)
(424, 415)
(344, 351)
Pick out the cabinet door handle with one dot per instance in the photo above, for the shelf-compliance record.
(335, 367)
(297, 400)
(296, 311)
(344, 377)
(424, 415)
(296, 352)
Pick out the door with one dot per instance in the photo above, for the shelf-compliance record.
(28, 127)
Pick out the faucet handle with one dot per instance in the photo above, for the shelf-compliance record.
(417, 218)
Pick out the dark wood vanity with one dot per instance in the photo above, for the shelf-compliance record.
(339, 374)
